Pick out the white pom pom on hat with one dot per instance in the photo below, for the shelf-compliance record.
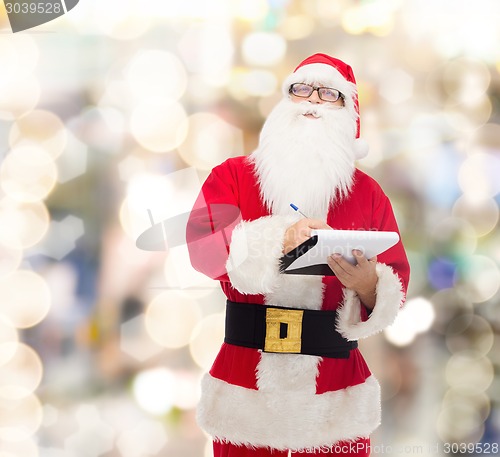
(324, 69)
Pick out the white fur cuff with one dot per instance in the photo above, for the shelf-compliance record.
(390, 298)
(255, 250)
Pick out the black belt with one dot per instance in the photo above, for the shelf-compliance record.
(285, 330)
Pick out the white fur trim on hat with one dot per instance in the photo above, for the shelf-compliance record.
(390, 298)
(288, 420)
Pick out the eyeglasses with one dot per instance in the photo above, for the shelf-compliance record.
(326, 94)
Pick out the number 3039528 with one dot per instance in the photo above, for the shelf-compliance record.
(33, 8)
(467, 448)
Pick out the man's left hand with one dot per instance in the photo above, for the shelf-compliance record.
(362, 277)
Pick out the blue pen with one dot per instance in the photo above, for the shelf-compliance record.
(296, 208)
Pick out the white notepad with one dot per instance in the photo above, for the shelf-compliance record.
(310, 257)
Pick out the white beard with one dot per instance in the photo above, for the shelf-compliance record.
(307, 162)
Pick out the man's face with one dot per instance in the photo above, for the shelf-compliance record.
(315, 94)
(310, 129)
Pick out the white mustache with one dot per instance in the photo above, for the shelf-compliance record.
(304, 108)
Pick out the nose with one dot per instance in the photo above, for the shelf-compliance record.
(314, 97)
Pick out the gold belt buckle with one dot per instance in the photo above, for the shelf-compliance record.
(292, 342)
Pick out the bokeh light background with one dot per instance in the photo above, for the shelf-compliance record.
(112, 116)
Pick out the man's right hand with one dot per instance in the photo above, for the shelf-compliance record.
(299, 232)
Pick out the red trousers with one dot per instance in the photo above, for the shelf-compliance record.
(359, 448)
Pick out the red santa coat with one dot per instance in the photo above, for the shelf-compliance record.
(289, 401)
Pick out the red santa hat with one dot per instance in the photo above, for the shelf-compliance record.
(331, 72)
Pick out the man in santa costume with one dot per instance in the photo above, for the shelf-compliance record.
(289, 379)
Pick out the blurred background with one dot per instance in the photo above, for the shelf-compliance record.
(110, 119)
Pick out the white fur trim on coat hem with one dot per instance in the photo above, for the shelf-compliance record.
(254, 254)
(390, 297)
(285, 420)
